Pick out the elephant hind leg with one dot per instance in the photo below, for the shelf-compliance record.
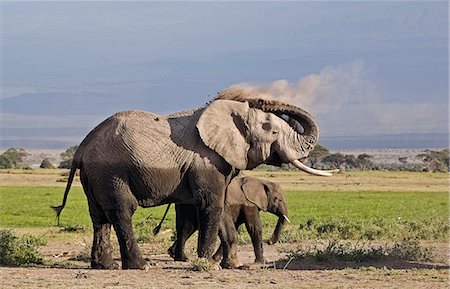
(101, 253)
(120, 207)
(186, 225)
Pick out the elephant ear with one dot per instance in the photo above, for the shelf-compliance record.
(223, 128)
(255, 192)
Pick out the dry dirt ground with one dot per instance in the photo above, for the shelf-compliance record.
(67, 266)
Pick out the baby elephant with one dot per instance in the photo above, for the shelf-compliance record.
(245, 197)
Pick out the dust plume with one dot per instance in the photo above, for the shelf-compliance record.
(323, 92)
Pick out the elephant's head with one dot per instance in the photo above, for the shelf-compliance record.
(268, 196)
(248, 131)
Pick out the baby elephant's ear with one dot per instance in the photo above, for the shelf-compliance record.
(223, 128)
(255, 192)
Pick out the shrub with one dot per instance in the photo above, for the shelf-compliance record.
(202, 264)
(46, 164)
(17, 251)
(338, 250)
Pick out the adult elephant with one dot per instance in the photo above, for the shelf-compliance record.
(136, 158)
(245, 198)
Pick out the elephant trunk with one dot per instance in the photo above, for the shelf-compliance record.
(298, 119)
(276, 233)
(282, 212)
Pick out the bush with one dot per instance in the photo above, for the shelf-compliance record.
(202, 265)
(46, 164)
(337, 250)
(17, 251)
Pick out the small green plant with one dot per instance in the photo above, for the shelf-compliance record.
(84, 254)
(202, 264)
(144, 230)
(410, 249)
(75, 228)
(18, 251)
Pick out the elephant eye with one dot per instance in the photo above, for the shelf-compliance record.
(267, 126)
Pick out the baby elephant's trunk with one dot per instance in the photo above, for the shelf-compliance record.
(276, 233)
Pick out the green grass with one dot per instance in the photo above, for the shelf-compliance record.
(314, 214)
(28, 206)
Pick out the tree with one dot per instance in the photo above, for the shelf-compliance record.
(67, 157)
(435, 161)
(350, 161)
(364, 161)
(46, 164)
(317, 154)
(336, 160)
(13, 158)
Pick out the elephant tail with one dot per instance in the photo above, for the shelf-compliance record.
(157, 228)
(58, 209)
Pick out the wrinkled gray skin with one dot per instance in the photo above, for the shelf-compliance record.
(136, 158)
(245, 198)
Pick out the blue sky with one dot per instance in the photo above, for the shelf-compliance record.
(361, 68)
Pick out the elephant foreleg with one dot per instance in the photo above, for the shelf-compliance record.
(228, 246)
(209, 219)
(254, 228)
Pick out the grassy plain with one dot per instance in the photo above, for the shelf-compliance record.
(382, 201)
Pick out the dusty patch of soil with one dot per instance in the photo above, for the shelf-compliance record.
(67, 266)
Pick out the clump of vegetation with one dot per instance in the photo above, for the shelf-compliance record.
(144, 231)
(338, 250)
(75, 228)
(202, 265)
(435, 161)
(46, 164)
(18, 251)
(14, 158)
(410, 249)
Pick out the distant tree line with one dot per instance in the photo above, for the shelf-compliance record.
(320, 157)
(432, 161)
(14, 158)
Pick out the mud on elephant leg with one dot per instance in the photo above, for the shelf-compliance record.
(101, 255)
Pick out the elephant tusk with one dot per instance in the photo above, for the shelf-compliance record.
(312, 171)
(287, 219)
